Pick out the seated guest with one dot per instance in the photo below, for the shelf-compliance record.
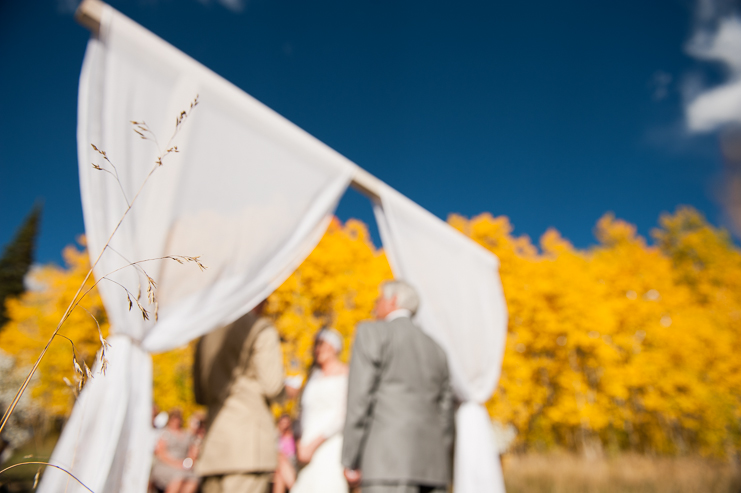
(171, 470)
(285, 475)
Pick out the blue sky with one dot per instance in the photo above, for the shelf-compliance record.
(551, 113)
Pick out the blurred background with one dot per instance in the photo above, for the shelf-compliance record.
(594, 147)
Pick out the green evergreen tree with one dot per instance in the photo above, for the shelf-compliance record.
(17, 259)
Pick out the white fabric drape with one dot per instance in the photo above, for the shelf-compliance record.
(249, 192)
(462, 307)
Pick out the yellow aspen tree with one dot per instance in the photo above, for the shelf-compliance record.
(336, 286)
(35, 315)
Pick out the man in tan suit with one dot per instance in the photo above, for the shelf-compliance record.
(238, 370)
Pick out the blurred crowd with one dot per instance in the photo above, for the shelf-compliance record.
(175, 452)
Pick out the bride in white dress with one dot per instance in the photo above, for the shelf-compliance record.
(323, 406)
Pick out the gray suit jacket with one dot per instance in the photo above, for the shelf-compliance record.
(399, 425)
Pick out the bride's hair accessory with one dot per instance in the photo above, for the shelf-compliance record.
(331, 337)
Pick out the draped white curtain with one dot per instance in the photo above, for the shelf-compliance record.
(463, 308)
(251, 194)
(248, 192)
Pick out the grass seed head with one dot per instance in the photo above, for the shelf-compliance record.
(88, 373)
(78, 368)
(145, 313)
(72, 388)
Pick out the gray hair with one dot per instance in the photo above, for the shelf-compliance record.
(406, 295)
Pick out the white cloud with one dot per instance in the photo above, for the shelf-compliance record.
(708, 10)
(233, 5)
(660, 82)
(722, 45)
(709, 109)
(67, 6)
(715, 108)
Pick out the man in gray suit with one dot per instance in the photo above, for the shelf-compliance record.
(399, 426)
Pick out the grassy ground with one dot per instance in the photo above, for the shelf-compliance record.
(531, 473)
(627, 473)
(20, 479)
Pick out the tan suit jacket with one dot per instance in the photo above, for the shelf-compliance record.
(238, 370)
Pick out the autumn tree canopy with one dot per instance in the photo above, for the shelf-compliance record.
(629, 344)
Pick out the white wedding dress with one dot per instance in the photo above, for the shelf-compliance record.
(323, 407)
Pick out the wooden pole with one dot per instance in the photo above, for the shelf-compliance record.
(89, 13)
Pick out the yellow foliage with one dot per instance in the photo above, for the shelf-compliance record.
(629, 344)
(173, 380)
(337, 286)
(35, 315)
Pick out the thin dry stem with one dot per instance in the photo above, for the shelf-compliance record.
(48, 465)
(82, 375)
(129, 294)
(104, 346)
(114, 174)
(181, 259)
(75, 301)
(73, 388)
(129, 263)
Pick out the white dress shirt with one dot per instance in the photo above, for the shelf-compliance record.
(399, 312)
